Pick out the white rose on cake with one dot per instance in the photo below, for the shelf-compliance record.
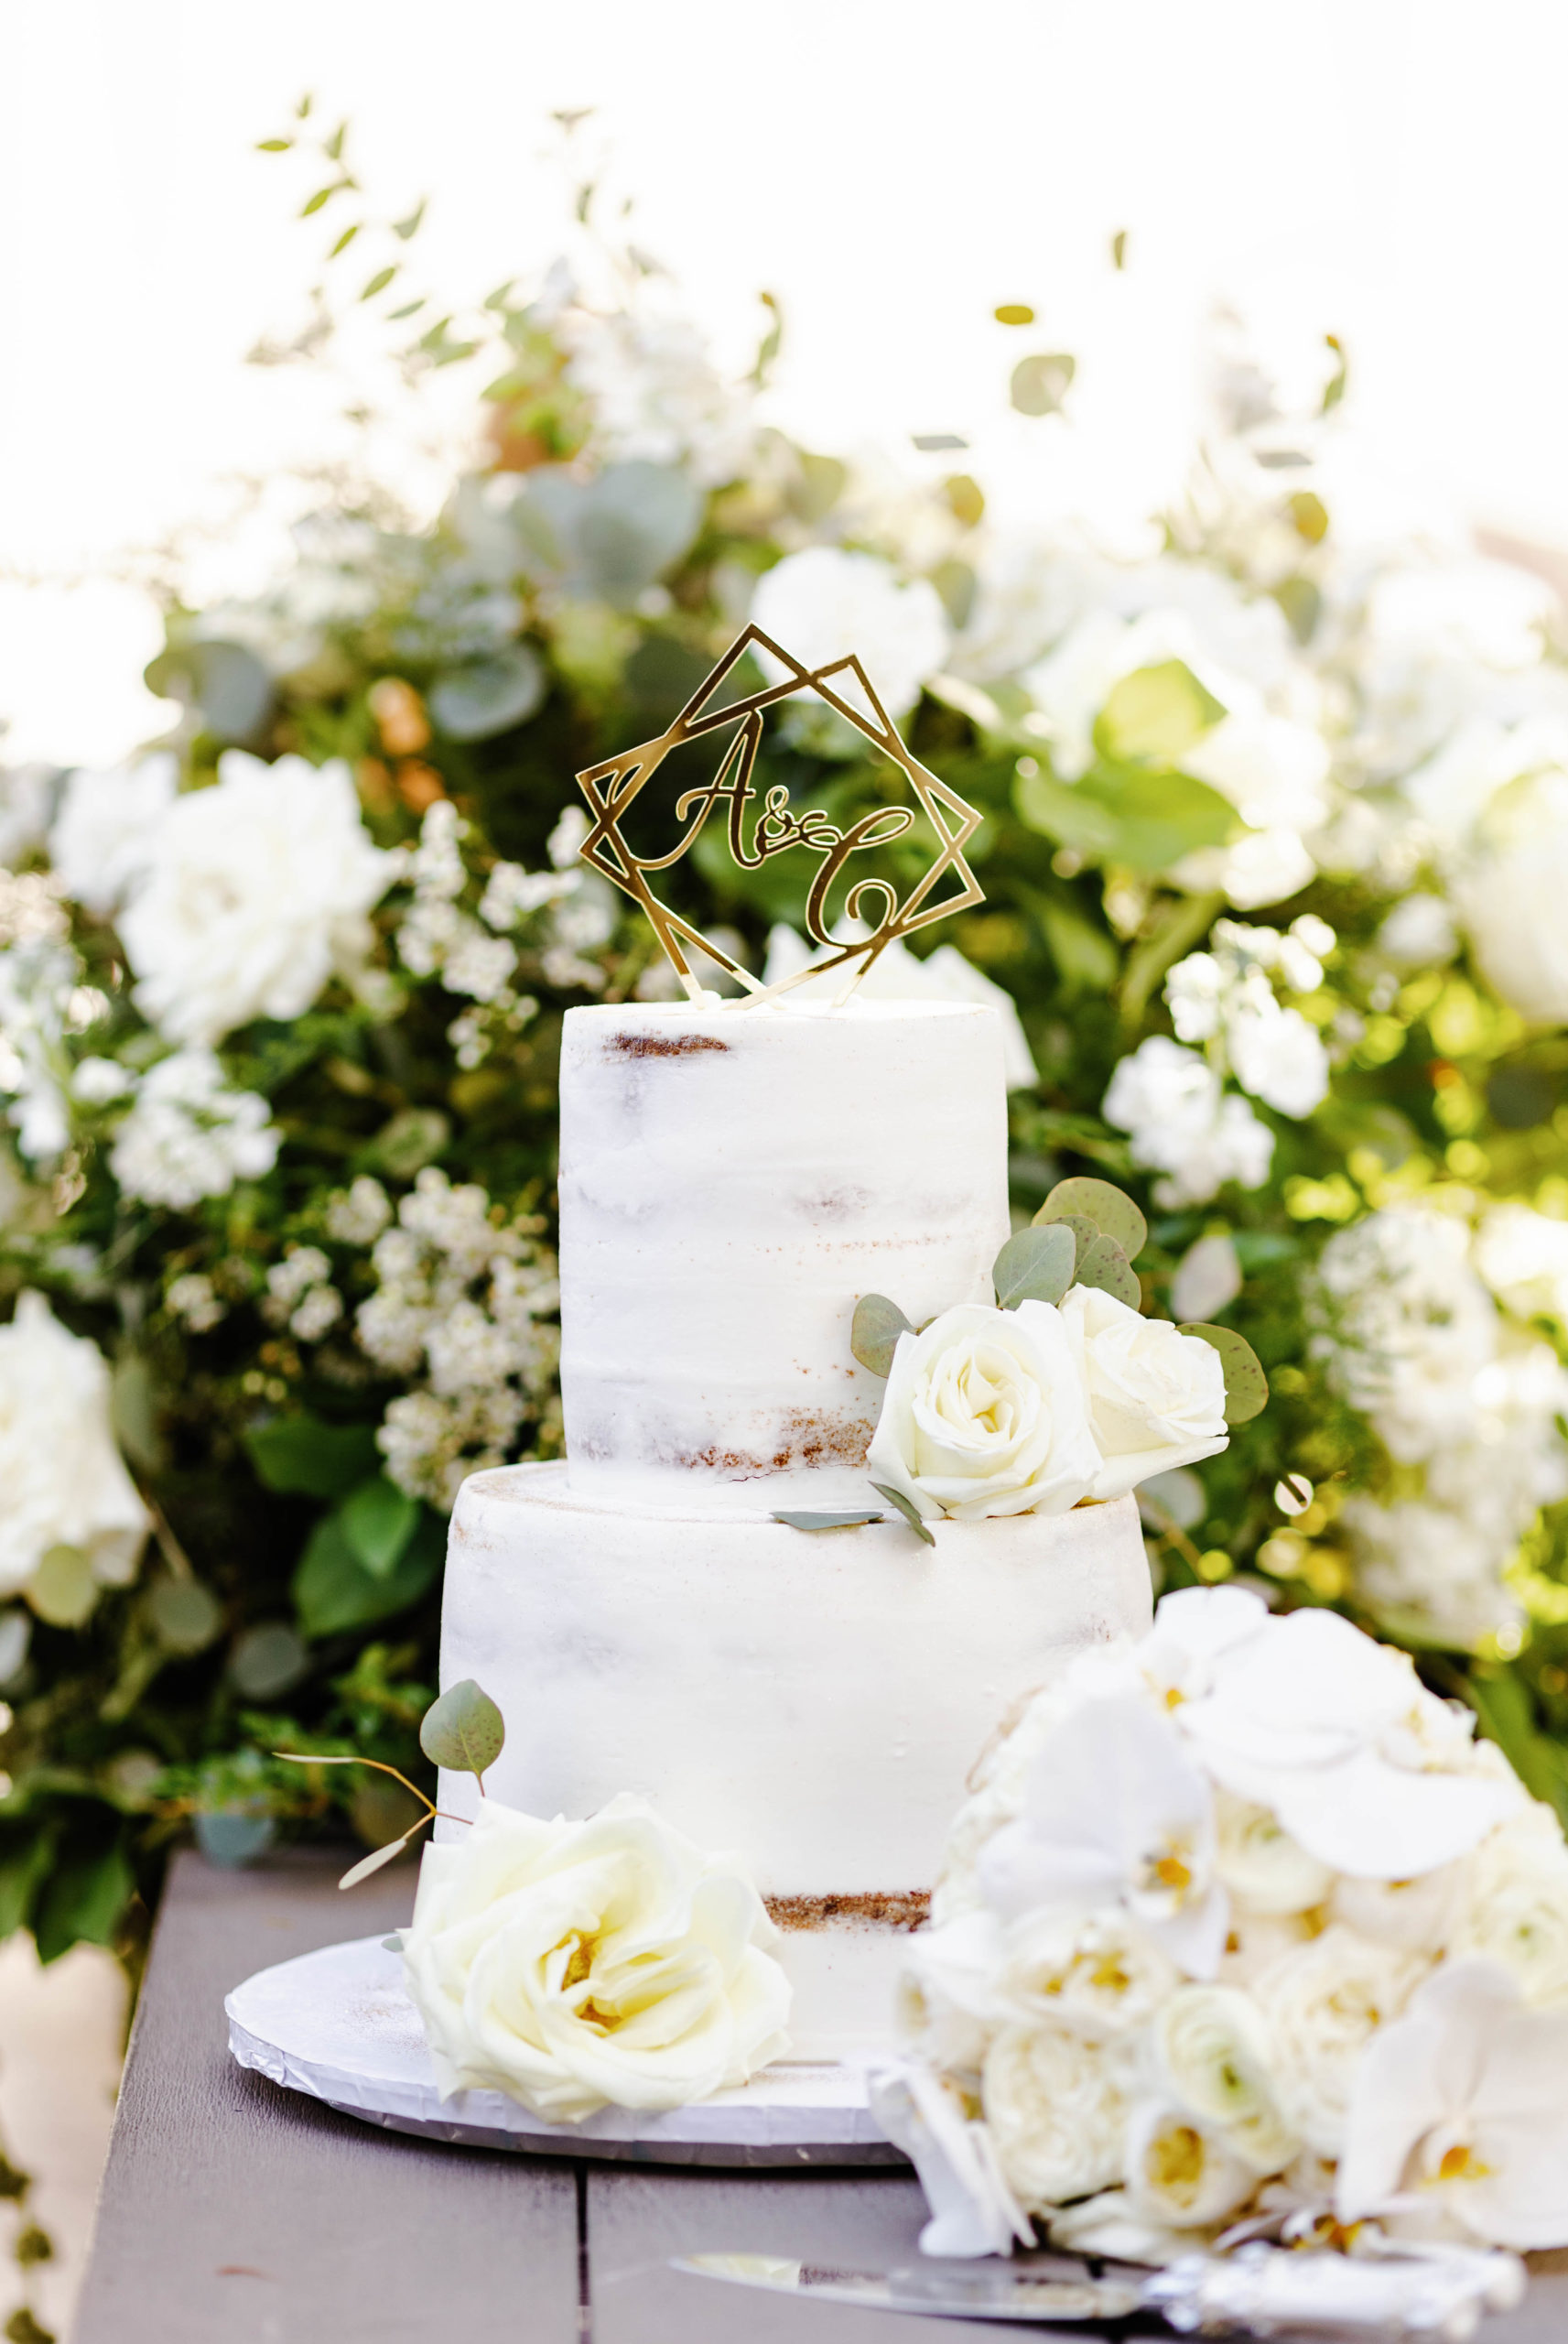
(986, 1413)
(1156, 1397)
(574, 1965)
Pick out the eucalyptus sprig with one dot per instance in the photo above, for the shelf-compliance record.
(462, 1731)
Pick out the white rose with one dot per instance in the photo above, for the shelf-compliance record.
(1324, 2002)
(1262, 1865)
(984, 1414)
(1156, 1397)
(824, 604)
(577, 1964)
(1054, 2107)
(65, 1484)
(104, 834)
(1416, 1915)
(1210, 2048)
(254, 891)
(1509, 900)
(1099, 1971)
(1182, 2174)
(1514, 1905)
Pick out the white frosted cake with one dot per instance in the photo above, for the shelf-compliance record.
(732, 1180)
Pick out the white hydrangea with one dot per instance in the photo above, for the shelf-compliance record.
(462, 1294)
(1184, 1125)
(1225, 996)
(252, 893)
(188, 1136)
(824, 604)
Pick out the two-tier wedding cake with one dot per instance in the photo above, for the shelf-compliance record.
(732, 1179)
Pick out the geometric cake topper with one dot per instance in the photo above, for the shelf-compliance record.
(611, 788)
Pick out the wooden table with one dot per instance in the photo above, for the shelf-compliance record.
(233, 2212)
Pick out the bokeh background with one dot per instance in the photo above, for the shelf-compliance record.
(1386, 170)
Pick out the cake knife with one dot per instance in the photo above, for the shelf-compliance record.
(1260, 2290)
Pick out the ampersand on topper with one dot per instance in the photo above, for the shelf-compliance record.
(776, 828)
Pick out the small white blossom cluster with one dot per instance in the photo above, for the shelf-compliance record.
(195, 1301)
(1173, 1101)
(187, 1136)
(475, 956)
(1239, 1923)
(300, 1295)
(463, 1296)
(40, 980)
(1464, 1400)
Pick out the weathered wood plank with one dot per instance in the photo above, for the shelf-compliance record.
(232, 2209)
(637, 2219)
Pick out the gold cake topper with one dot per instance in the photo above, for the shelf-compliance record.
(611, 788)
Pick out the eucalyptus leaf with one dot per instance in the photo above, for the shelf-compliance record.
(896, 1497)
(379, 1856)
(394, 1944)
(1085, 1233)
(1034, 1265)
(485, 697)
(610, 538)
(1110, 1210)
(1245, 1386)
(827, 1521)
(1152, 716)
(463, 1730)
(874, 1331)
(184, 1615)
(1106, 1269)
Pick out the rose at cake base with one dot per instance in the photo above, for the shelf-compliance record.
(732, 1181)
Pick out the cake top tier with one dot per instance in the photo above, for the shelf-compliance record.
(731, 1181)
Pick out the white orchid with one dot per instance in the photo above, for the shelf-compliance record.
(973, 2211)
(1116, 1813)
(1459, 2117)
(1338, 1736)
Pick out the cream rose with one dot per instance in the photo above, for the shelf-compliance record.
(1514, 1905)
(984, 1414)
(1211, 2047)
(1181, 2173)
(577, 1964)
(1055, 2108)
(1262, 1865)
(1099, 1971)
(1156, 1397)
(1324, 2002)
(68, 1494)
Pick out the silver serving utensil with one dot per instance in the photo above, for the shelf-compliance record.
(1259, 2290)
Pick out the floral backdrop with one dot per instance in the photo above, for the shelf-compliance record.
(1275, 840)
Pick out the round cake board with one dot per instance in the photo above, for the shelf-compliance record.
(339, 2026)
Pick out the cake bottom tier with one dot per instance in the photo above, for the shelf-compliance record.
(811, 1702)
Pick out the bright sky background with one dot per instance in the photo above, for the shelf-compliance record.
(1387, 169)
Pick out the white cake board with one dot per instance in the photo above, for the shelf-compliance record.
(339, 2026)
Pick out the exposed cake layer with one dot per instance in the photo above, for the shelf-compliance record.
(811, 1701)
(732, 1180)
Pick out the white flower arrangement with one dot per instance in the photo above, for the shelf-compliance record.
(1241, 1931)
(1060, 1393)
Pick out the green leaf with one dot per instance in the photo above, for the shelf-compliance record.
(273, 146)
(63, 1591)
(1112, 1211)
(322, 195)
(346, 239)
(1034, 1265)
(374, 285)
(83, 1899)
(1155, 715)
(378, 1520)
(333, 146)
(610, 537)
(464, 1730)
(25, 1865)
(1014, 313)
(874, 1331)
(1039, 384)
(373, 1862)
(334, 1592)
(408, 1141)
(303, 1457)
(488, 696)
(1065, 814)
(1104, 1269)
(1086, 958)
(394, 1944)
(1158, 817)
(911, 1514)
(403, 229)
(827, 1521)
(1245, 1386)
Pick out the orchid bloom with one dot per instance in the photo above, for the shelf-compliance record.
(1116, 1813)
(973, 2211)
(1335, 1734)
(1460, 2111)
